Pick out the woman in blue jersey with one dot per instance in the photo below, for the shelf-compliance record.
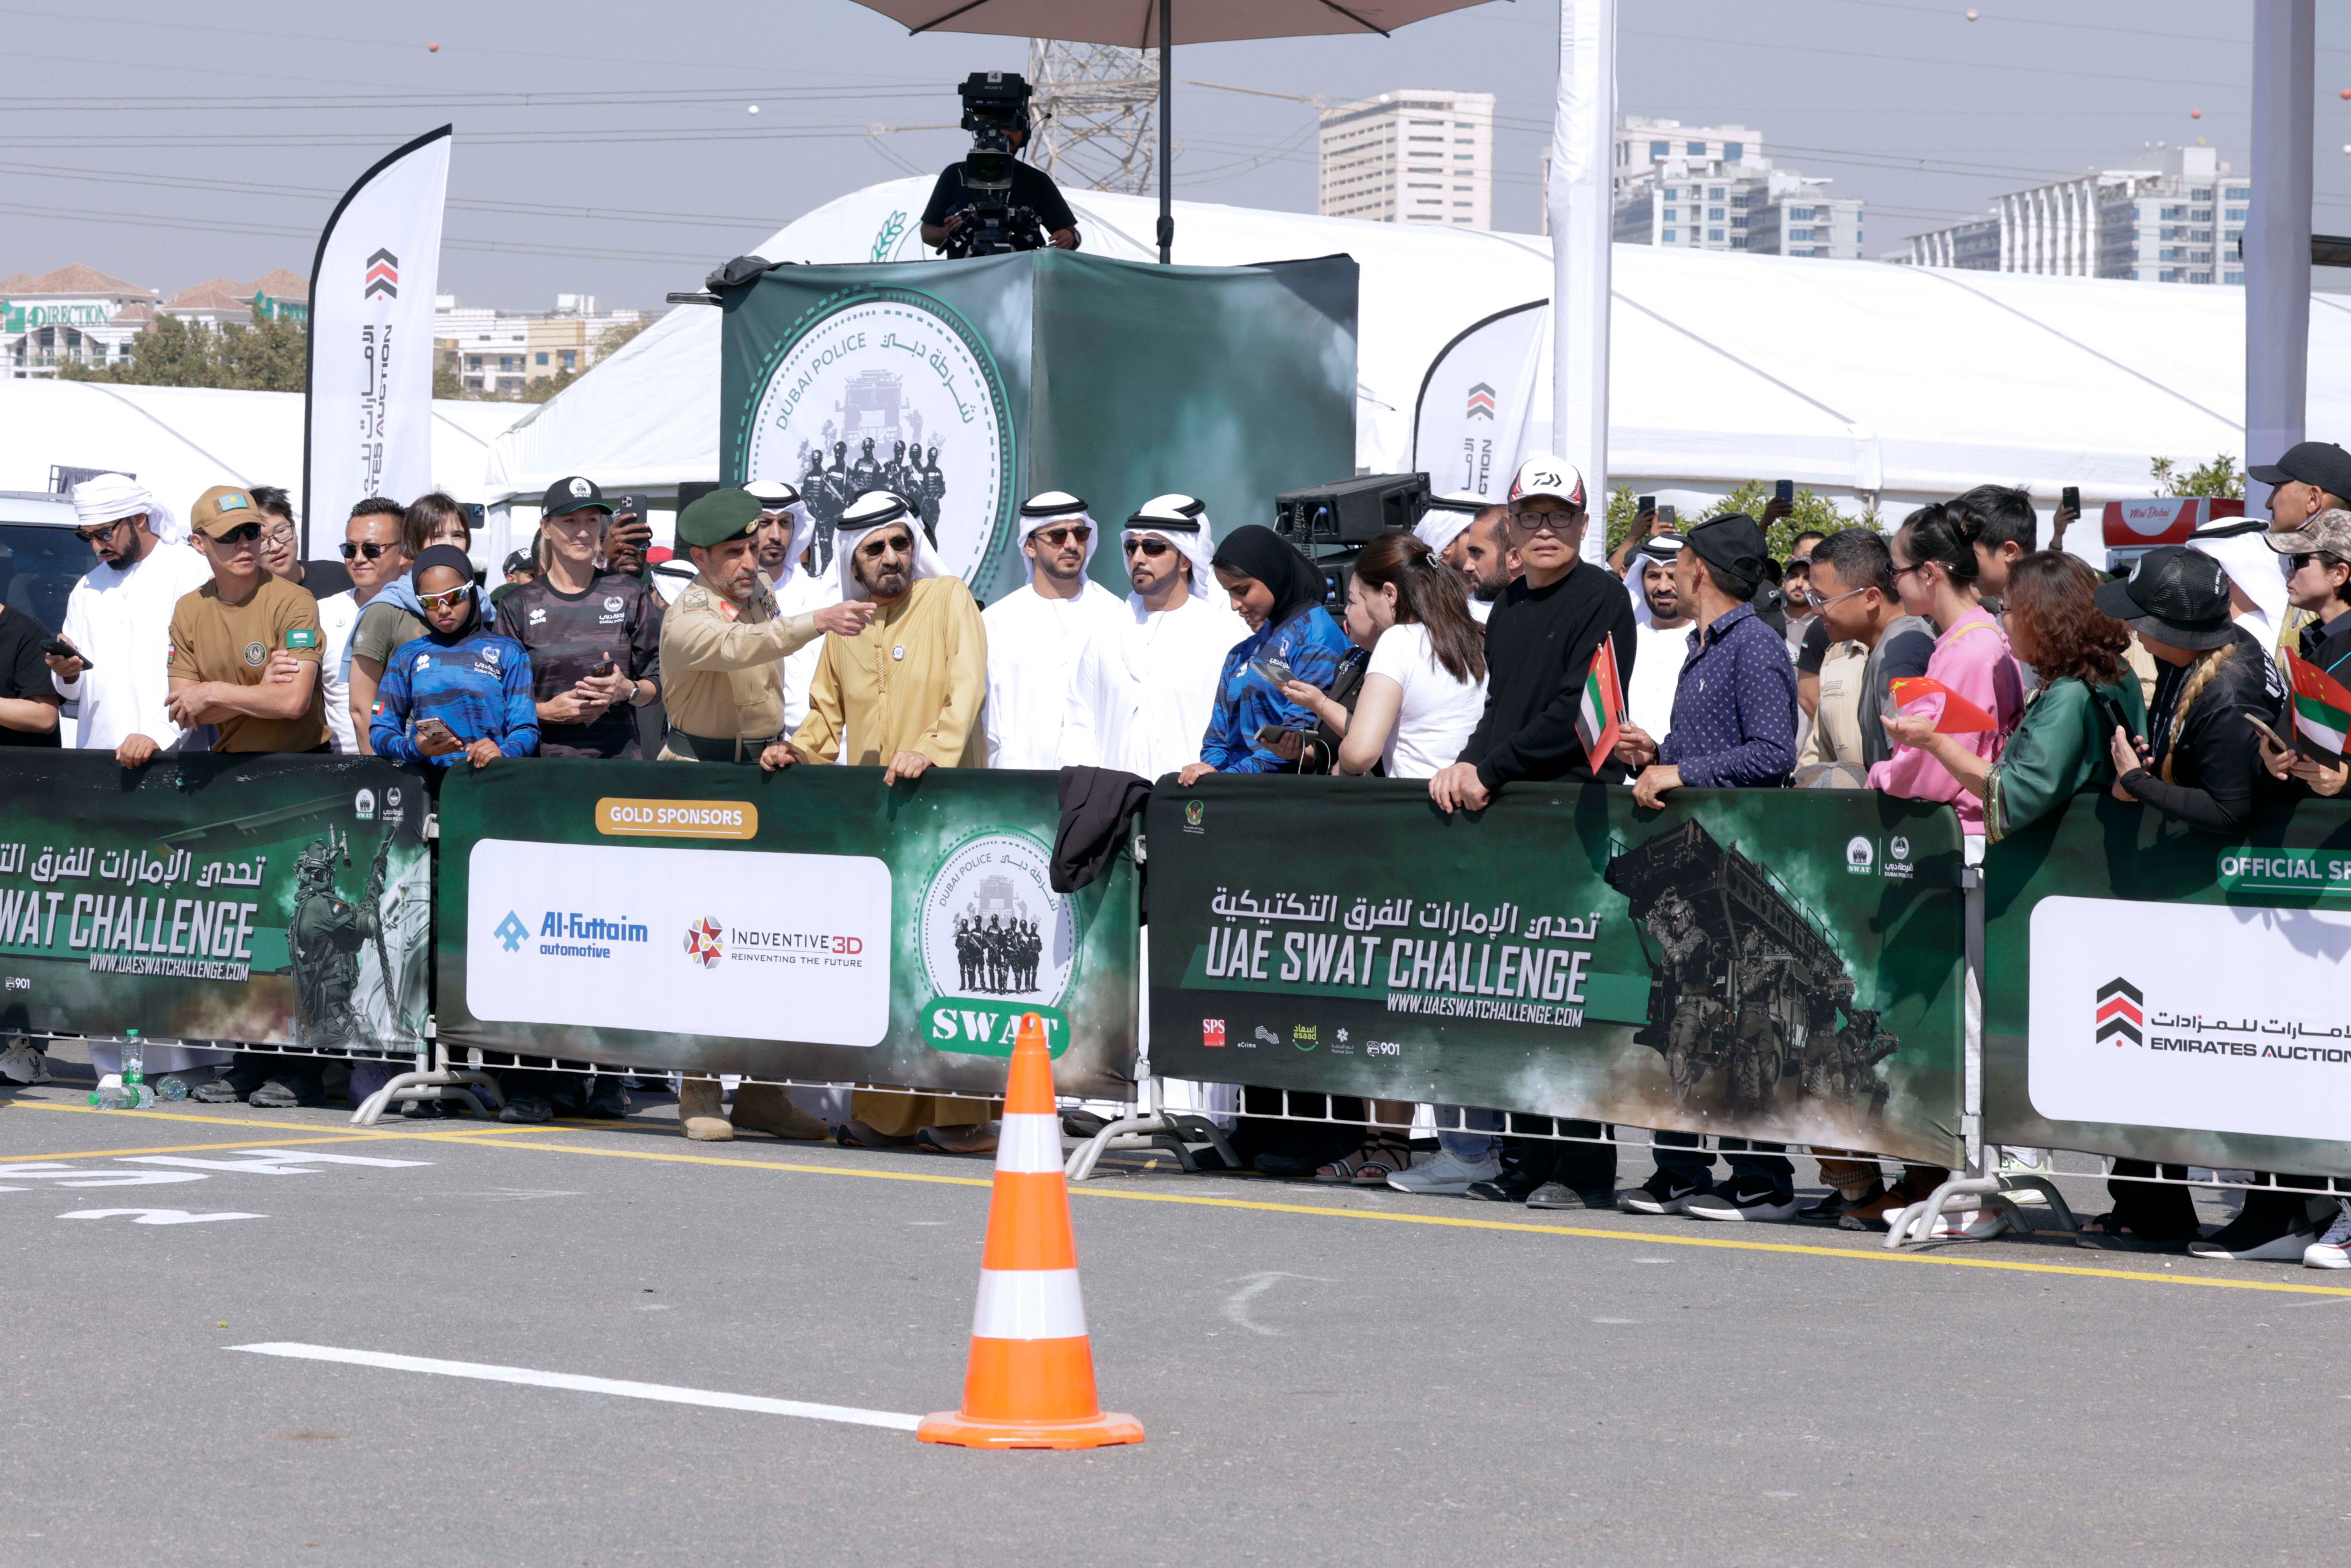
(460, 690)
(1279, 593)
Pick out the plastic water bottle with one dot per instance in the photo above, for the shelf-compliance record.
(134, 1060)
(171, 1087)
(129, 1089)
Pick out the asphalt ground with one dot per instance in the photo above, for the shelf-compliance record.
(1325, 1376)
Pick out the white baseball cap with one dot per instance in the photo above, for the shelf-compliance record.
(1545, 475)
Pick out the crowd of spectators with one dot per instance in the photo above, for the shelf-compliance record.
(1458, 655)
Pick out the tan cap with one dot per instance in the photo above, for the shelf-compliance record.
(222, 507)
(2329, 530)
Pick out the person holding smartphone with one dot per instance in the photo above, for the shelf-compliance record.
(594, 634)
(460, 690)
(2317, 557)
(1279, 593)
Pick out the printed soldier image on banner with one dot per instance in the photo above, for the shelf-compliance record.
(1776, 965)
(875, 401)
(264, 900)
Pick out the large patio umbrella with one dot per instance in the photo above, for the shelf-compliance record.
(1162, 23)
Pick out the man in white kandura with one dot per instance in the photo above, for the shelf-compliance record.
(119, 615)
(1037, 634)
(785, 532)
(1445, 529)
(1142, 695)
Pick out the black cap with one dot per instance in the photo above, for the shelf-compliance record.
(2178, 597)
(1732, 544)
(577, 493)
(2319, 463)
(517, 560)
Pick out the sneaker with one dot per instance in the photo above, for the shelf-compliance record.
(276, 1094)
(609, 1099)
(2258, 1242)
(1830, 1206)
(527, 1108)
(427, 1110)
(20, 1063)
(1559, 1195)
(1746, 1198)
(1446, 1176)
(2333, 1248)
(1661, 1194)
(1967, 1224)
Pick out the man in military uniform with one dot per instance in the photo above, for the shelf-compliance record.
(723, 645)
(1763, 971)
(866, 472)
(935, 489)
(1690, 984)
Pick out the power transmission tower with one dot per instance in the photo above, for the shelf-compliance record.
(1095, 107)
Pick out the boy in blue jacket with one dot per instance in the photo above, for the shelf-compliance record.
(460, 690)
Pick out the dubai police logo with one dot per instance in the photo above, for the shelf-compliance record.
(992, 926)
(889, 389)
(256, 654)
(703, 943)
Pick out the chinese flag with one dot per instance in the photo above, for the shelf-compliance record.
(1959, 717)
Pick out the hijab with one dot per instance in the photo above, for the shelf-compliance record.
(459, 563)
(1255, 550)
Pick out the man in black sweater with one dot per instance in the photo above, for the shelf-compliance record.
(1539, 646)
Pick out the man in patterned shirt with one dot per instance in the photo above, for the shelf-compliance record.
(1734, 727)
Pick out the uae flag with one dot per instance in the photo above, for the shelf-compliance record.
(1957, 717)
(1601, 720)
(2322, 709)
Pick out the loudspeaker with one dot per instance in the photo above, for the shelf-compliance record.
(1350, 511)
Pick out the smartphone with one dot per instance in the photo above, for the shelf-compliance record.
(2071, 498)
(2274, 737)
(433, 729)
(1269, 736)
(1784, 490)
(1272, 671)
(1668, 516)
(1644, 505)
(65, 650)
(607, 668)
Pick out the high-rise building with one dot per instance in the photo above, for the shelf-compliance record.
(2176, 219)
(1711, 188)
(1410, 157)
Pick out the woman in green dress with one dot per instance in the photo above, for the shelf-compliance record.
(2059, 748)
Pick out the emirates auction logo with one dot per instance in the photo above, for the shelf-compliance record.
(701, 944)
(383, 276)
(2121, 1012)
(1481, 401)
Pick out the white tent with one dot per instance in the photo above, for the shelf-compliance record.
(182, 441)
(1857, 379)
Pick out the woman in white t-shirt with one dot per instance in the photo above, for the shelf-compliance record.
(1426, 685)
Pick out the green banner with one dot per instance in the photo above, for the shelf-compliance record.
(968, 385)
(2165, 995)
(260, 900)
(1770, 964)
(808, 923)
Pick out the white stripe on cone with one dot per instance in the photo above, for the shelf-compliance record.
(1029, 1143)
(1029, 1303)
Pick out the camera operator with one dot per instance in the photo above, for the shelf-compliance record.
(990, 200)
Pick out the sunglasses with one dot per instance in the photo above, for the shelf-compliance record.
(1056, 537)
(449, 600)
(353, 551)
(1153, 548)
(243, 534)
(91, 535)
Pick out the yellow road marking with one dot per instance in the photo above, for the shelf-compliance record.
(328, 1134)
(1324, 1212)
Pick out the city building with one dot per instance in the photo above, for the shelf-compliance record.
(499, 351)
(1644, 146)
(2176, 219)
(1711, 188)
(1410, 156)
(80, 315)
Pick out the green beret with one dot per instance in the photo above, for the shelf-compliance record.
(720, 516)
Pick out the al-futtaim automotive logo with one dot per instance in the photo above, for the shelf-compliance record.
(992, 926)
(573, 934)
(890, 388)
(705, 943)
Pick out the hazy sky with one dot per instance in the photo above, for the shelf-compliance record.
(181, 143)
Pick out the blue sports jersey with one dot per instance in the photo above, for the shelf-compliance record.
(477, 685)
(1312, 645)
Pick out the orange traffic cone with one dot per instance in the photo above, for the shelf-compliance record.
(1031, 1381)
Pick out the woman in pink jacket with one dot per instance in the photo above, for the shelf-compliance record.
(1934, 572)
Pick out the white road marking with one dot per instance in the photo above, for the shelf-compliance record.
(664, 1391)
(159, 1216)
(83, 1175)
(1236, 1305)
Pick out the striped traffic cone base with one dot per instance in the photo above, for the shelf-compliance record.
(1030, 1380)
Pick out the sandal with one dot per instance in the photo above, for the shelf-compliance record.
(855, 1134)
(1370, 1166)
(2107, 1234)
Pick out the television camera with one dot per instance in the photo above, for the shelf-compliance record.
(995, 107)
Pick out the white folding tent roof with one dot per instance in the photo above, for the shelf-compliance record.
(182, 441)
(1854, 378)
